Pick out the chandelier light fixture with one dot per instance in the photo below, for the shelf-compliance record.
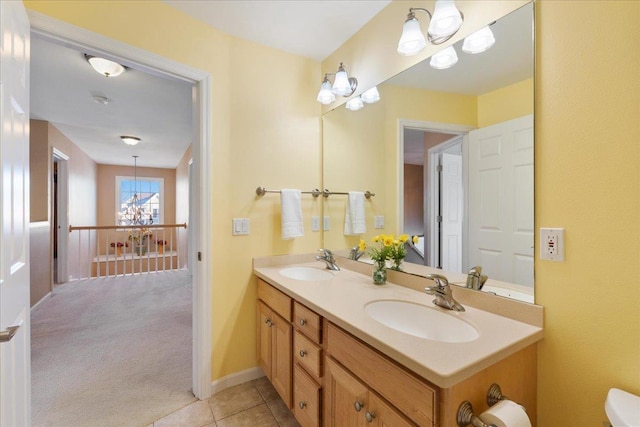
(444, 23)
(343, 85)
(104, 66)
(134, 212)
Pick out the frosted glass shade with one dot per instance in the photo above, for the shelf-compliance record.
(412, 40)
(371, 95)
(326, 95)
(446, 19)
(105, 67)
(480, 41)
(354, 104)
(444, 59)
(130, 140)
(341, 85)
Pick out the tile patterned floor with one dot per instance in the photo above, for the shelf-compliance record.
(252, 404)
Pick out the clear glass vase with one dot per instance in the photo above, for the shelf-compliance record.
(379, 274)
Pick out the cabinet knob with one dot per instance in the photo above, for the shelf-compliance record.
(302, 322)
(358, 406)
(302, 353)
(302, 404)
(369, 416)
(268, 322)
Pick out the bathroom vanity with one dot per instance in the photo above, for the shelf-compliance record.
(334, 363)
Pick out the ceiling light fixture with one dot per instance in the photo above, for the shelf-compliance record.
(446, 58)
(480, 41)
(104, 66)
(130, 140)
(343, 85)
(444, 23)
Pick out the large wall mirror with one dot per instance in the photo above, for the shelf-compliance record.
(449, 156)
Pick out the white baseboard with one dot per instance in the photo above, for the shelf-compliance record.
(43, 299)
(235, 379)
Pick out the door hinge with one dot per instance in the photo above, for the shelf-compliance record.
(199, 256)
(439, 219)
(439, 168)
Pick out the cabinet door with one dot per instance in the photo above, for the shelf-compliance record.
(281, 359)
(263, 329)
(381, 414)
(345, 398)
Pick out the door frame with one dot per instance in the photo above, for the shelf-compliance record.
(61, 206)
(426, 126)
(433, 190)
(94, 43)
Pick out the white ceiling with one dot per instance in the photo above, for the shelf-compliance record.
(311, 28)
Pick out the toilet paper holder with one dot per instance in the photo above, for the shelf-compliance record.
(465, 410)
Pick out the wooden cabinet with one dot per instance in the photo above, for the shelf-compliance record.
(274, 338)
(348, 402)
(328, 377)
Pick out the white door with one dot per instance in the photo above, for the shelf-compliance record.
(501, 200)
(15, 358)
(451, 212)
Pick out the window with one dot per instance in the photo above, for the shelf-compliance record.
(150, 198)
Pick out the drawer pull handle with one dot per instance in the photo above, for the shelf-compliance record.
(302, 404)
(302, 353)
(358, 406)
(302, 322)
(369, 416)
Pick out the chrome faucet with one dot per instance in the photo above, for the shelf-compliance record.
(355, 253)
(443, 293)
(475, 278)
(328, 258)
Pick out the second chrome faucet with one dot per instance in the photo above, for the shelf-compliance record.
(443, 293)
(328, 258)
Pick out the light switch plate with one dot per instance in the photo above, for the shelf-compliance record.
(552, 244)
(315, 223)
(240, 226)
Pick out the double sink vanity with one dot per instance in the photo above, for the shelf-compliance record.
(342, 351)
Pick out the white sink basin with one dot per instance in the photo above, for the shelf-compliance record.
(421, 321)
(310, 274)
(622, 408)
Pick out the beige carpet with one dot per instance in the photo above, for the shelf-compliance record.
(112, 351)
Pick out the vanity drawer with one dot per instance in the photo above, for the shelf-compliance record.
(307, 354)
(278, 301)
(307, 321)
(411, 395)
(306, 398)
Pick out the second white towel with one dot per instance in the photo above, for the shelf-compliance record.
(354, 219)
(292, 224)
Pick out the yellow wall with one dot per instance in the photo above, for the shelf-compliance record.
(264, 114)
(588, 181)
(587, 105)
(506, 103)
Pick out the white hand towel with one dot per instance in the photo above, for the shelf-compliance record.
(354, 219)
(292, 225)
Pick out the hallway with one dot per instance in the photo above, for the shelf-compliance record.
(112, 351)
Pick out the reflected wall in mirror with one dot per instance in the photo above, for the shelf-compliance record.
(449, 155)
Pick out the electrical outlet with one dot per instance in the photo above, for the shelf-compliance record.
(378, 221)
(315, 223)
(552, 244)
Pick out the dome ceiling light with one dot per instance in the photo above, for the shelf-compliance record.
(104, 66)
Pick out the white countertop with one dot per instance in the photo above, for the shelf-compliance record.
(342, 301)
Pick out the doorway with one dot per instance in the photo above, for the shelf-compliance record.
(432, 159)
(61, 32)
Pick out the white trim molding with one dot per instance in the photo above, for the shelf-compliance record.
(235, 379)
(97, 44)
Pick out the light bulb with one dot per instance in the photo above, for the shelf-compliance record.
(444, 59)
